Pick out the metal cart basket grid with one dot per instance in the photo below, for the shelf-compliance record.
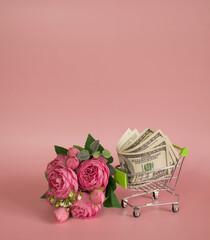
(152, 187)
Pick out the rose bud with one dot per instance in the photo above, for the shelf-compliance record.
(97, 196)
(73, 152)
(61, 215)
(72, 162)
(84, 208)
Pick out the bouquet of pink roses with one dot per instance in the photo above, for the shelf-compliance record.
(80, 181)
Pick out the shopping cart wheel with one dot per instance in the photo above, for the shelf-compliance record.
(155, 194)
(124, 203)
(136, 212)
(175, 208)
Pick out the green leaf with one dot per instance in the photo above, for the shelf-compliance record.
(44, 196)
(78, 147)
(96, 154)
(83, 155)
(110, 159)
(89, 140)
(46, 176)
(112, 183)
(94, 145)
(111, 169)
(100, 148)
(106, 153)
(61, 150)
(111, 200)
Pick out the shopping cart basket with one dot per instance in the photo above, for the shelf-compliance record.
(152, 187)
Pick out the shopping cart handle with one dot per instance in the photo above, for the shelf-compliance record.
(183, 151)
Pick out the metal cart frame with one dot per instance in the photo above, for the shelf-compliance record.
(152, 187)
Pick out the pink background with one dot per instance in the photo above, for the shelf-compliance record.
(68, 68)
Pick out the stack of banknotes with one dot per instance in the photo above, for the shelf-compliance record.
(143, 154)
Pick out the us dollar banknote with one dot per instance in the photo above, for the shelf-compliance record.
(124, 137)
(130, 138)
(142, 137)
(142, 180)
(155, 140)
(150, 141)
(138, 163)
(138, 159)
(173, 155)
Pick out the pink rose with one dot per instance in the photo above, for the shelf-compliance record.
(73, 152)
(84, 208)
(62, 181)
(97, 196)
(92, 174)
(59, 160)
(61, 215)
(72, 162)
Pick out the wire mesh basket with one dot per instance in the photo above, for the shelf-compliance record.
(164, 179)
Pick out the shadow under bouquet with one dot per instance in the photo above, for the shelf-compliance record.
(80, 181)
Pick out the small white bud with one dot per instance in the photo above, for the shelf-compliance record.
(52, 199)
(71, 194)
(80, 196)
(57, 204)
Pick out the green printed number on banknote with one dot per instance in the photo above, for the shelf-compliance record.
(148, 166)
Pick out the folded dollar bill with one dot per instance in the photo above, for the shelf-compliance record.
(140, 154)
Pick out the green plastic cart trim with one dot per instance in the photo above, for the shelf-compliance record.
(183, 151)
(122, 178)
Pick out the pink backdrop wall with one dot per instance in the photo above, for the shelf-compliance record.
(68, 68)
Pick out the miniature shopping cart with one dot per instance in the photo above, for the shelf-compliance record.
(152, 187)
